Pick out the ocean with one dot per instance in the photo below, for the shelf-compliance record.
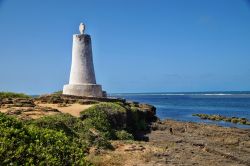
(181, 106)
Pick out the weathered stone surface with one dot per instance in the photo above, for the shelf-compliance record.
(16, 102)
(70, 99)
(7, 101)
(31, 112)
(86, 101)
(149, 110)
(19, 102)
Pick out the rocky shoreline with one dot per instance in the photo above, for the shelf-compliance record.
(181, 143)
(24, 107)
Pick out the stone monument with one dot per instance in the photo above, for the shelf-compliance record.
(82, 80)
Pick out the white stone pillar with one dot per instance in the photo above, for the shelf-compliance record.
(82, 80)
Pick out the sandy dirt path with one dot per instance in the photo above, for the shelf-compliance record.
(73, 109)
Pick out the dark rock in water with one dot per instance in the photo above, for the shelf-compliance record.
(243, 121)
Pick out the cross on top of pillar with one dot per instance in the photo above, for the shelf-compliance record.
(81, 28)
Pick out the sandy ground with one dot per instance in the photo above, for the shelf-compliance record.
(73, 109)
(44, 110)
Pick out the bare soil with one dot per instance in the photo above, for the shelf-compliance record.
(40, 110)
(73, 109)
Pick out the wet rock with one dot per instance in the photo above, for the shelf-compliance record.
(223, 118)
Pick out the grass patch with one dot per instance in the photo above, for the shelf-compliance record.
(67, 123)
(58, 92)
(13, 95)
(124, 135)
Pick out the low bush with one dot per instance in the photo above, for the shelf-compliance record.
(113, 114)
(76, 129)
(69, 124)
(124, 135)
(57, 92)
(137, 121)
(107, 121)
(31, 145)
(13, 95)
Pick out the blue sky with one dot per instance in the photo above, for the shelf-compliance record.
(138, 45)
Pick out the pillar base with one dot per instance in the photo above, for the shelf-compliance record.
(89, 90)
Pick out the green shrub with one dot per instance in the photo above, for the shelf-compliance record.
(13, 95)
(111, 113)
(58, 92)
(103, 121)
(76, 129)
(96, 138)
(98, 120)
(67, 123)
(30, 145)
(137, 120)
(124, 135)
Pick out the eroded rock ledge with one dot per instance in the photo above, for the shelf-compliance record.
(30, 108)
